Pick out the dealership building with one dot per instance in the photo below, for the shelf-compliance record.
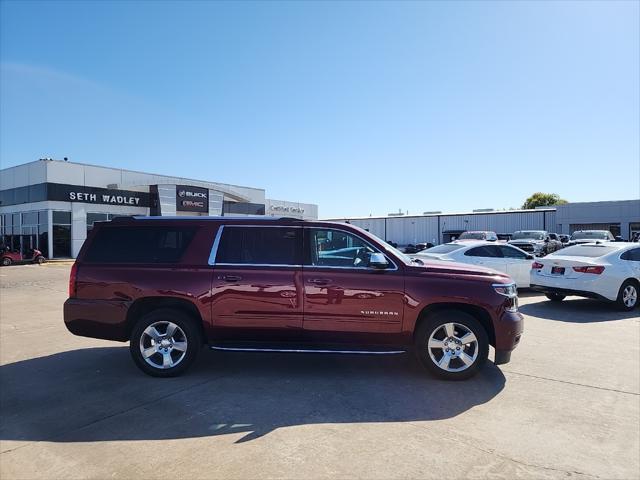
(52, 204)
(619, 217)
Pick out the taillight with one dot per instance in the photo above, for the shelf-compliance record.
(597, 270)
(73, 276)
(536, 265)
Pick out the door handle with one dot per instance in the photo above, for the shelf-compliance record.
(319, 281)
(230, 278)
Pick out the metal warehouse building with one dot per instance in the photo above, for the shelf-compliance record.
(620, 217)
(51, 204)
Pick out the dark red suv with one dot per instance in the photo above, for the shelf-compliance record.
(170, 285)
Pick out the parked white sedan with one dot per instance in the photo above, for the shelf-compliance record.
(607, 271)
(498, 256)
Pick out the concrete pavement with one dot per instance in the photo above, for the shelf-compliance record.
(567, 406)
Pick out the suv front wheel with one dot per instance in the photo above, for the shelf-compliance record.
(452, 345)
(165, 342)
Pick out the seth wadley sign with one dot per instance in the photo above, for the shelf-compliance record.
(104, 198)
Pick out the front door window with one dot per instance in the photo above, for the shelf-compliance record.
(336, 248)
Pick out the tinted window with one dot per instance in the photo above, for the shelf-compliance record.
(260, 246)
(63, 218)
(484, 251)
(336, 248)
(139, 244)
(510, 252)
(633, 255)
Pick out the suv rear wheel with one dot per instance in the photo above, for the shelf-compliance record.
(452, 344)
(165, 342)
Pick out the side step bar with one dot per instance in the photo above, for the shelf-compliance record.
(306, 350)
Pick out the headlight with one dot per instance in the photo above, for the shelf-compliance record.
(506, 289)
(510, 291)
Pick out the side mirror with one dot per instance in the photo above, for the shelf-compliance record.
(378, 260)
(529, 257)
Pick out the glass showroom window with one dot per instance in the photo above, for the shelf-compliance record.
(29, 232)
(61, 234)
(11, 232)
(43, 232)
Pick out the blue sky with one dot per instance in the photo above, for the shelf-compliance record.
(362, 108)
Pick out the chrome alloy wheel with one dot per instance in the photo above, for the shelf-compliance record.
(163, 345)
(630, 296)
(453, 347)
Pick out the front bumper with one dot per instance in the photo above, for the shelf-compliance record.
(508, 334)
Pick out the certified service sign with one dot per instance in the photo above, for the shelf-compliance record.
(192, 199)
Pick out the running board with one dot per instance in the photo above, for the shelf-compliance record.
(306, 350)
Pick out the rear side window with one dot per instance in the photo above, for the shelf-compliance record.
(139, 244)
(260, 246)
(485, 251)
(633, 255)
(510, 252)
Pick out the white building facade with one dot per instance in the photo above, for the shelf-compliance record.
(51, 204)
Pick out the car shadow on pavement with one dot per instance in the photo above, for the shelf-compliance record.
(576, 310)
(97, 394)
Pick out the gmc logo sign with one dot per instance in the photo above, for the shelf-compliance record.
(192, 199)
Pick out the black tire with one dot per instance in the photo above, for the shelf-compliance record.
(434, 324)
(40, 259)
(628, 286)
(555, 297)
(6, 261)
(188, 332)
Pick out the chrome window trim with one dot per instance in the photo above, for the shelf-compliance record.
(216, 245)
(292, 265)
(354, 268)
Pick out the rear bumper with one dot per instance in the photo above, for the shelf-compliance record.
(508, 334)
(569, 291)
(104, 319)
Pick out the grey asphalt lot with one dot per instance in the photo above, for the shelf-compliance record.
(567, 406)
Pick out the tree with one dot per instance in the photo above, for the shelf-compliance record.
(540, 199)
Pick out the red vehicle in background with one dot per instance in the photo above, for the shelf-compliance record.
(10, 257)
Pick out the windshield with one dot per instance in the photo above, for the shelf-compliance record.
(532, 235)
(590, 236)
(592, 251)
(472, 236)
(445, 248)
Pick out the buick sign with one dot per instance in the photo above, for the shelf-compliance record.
(192, 199)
